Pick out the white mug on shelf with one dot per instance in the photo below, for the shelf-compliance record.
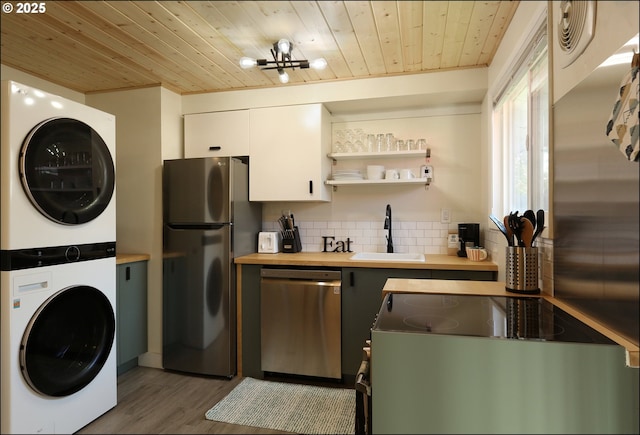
(391, 174)
(375, 172)
(406, 174)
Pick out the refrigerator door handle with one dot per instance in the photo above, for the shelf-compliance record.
(204, 226)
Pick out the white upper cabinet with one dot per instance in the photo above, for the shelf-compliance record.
(289, 147)
(216, 134)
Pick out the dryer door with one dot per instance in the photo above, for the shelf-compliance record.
(67, 171)
(67, 341)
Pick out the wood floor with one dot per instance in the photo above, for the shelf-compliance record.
(154, 401)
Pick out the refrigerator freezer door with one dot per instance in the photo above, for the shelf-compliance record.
(199, 313)
(197, 190)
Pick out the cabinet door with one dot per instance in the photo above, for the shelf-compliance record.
(132, 311)
(250, 327)
(216, 134)
(289, 147)
(361, 301)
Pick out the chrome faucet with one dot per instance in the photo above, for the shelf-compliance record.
(387, 226)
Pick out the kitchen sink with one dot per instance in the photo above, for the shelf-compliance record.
(388, 256)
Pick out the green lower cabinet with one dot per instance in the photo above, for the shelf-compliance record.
(251, 341)
(471, 275)
(361, 300)
(447, 384)
(131, 294)
(362, 297)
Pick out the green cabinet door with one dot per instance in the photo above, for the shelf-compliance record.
(131, 313)
(361, 300)
(251, 341)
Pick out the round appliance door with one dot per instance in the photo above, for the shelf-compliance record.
(67, 341)
(67, 171)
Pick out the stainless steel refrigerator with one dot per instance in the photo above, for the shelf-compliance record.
(208, 220)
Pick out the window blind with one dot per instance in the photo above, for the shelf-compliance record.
(523, 63)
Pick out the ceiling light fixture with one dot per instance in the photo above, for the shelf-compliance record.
(281, 53)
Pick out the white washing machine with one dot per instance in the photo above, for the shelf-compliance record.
(58, 171)
(58, 344)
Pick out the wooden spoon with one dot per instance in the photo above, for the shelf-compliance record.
(527, 232)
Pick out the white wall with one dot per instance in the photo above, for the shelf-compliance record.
(148, 129)
(452, 86)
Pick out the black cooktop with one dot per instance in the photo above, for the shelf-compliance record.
(527, 318)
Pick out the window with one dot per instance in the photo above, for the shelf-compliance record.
(521, 133)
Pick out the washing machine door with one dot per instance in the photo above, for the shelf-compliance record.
(67, 171)
(67, 341)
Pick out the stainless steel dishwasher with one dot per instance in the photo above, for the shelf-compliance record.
(300, 317)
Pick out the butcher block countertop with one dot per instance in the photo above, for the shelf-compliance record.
(343, 259)
(131, 258)
(497, 288)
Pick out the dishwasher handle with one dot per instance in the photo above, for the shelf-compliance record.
(309, 274)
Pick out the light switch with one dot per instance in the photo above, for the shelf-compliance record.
(445, 216)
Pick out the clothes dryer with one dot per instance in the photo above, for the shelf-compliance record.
(58, 170)
(58, 344)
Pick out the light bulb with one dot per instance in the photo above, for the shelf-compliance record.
(248, 62)
(284, 46)
(284, 77)
(319, 63)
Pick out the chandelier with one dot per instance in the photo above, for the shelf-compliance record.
(281, 53)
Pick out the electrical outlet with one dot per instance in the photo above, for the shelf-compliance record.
(445, 216)
(452, 241)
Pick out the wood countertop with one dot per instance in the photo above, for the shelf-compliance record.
(343, 259)
(497, 288)
(131, 258)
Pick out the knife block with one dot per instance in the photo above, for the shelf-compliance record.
(291, 241)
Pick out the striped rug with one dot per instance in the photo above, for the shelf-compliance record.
(302, 409)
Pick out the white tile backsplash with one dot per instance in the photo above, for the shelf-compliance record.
(368, 236)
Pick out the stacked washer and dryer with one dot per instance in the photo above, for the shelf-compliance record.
(58, 272)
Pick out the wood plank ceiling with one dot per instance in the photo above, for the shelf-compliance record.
(194, 46)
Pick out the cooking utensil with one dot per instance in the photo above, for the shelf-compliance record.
(516, 226)
(539, 224)
(529, 214)
(502, 229)
(507, 225)
(526, 234)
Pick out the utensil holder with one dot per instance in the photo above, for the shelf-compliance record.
(291, 241)
(522, 270)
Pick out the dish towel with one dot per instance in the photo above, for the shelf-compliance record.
(622, 128)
